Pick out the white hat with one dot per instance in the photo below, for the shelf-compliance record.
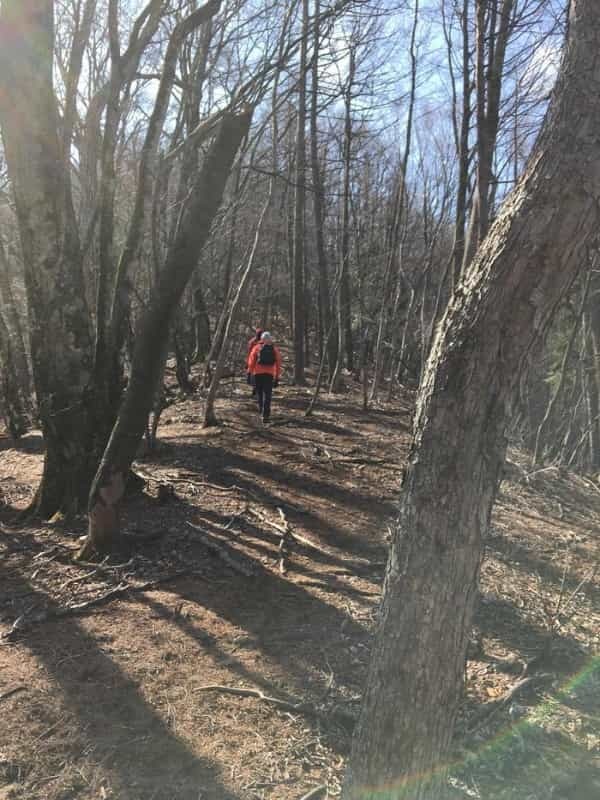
(266, 337)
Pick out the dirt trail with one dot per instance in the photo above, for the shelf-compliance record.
(109, 703)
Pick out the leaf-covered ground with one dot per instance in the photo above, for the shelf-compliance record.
(112, 699)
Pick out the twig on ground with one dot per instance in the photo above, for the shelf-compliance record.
(10, 692)
(25, 621)
(85, 577)
(284, 543)
(294, 535)
(300, 707)
(232, 561)
(286, 705)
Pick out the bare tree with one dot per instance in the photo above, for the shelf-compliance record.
(503, 304)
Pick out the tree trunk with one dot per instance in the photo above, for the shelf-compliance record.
(397, 221)
(201, 323)
(317, 195)
(591, 395)
(205, 199)
(12, 406)
(489, 73)
(298, 298)
(15, 332)
(209, 410)
(564, 367)
(503, 304)
(344, 316)
(61, 342)
(463, 151)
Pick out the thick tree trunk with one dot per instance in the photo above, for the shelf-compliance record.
(499, 310)
(61, 343)
(206, 195)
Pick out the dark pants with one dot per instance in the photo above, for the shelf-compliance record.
(264, 391)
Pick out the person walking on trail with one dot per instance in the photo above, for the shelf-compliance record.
(264, 364)
(252, 343)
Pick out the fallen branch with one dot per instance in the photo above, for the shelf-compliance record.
(284, 543)
(10, 692)
(223, 553)
(27, 620)
(286, 705)
(294, 535)
(300, 707)
(85, 577)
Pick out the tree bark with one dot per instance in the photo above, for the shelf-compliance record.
(503, 304)
(317, 197)
(15, 332)
(60, 336)
(345, 345)
(298, 298)
(206, 195)
(12, 406)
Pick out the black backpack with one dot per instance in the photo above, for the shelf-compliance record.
(266, 355)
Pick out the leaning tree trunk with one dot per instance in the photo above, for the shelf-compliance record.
(60, 336)
(499, 310)
(205, 198)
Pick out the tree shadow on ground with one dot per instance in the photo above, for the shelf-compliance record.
(500, 619)
(270, 483)
(116, 725)
(513, 552)
(29, 443)
(293, 628)
(401, 418)
(217, 521)
(223, 466)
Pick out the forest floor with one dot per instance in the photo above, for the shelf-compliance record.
(110, 700)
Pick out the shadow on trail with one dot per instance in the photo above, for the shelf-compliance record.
(32, 443)
(294, 629)
(222, 465)
(271, 484)
(512, 552)
(116, 724)
(500, 619)
(266, 536)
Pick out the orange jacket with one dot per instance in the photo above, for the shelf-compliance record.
(254, 368)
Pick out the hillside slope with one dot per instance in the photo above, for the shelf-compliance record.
(112, 699)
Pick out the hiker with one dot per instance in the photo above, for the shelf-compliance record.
(264, 364)
(251, 343)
